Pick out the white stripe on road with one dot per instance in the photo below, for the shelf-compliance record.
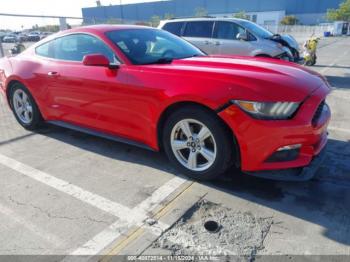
(159, 195)
(69, 189)
(127, 217)
(99, 242)
(114, 231)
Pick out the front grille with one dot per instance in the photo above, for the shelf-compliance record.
(318, 113)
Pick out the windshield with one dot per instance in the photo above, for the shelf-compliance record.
(149, 46)
(257, 29)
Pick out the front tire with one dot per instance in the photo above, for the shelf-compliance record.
(24, 107)
(198, 143)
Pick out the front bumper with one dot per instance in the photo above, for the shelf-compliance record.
(295, 174)
(258, 140)
(284, 55)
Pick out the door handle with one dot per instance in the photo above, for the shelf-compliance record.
(206, 42)
(52, 73)
(217, 43)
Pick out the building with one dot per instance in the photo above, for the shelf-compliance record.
(264, 12)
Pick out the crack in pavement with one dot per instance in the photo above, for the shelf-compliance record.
(50, 215)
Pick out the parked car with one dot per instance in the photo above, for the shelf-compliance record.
(150, 88)
(10, 38)
(44, 35)
(2, 35)
(22, 37)
(233, 36)
(34, 36)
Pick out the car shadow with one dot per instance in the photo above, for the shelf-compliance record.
(341, 82)
(333, 66)
(324, 201)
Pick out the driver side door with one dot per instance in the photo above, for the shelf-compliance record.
(226, 41)
(88, 96)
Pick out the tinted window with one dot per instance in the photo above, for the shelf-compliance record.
(75, 47)
(199, 29)
(227, 30)
(147, 46)
(174, 27)
(44, 50)
(256, 29)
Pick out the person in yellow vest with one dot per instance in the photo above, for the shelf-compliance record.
(310, 47)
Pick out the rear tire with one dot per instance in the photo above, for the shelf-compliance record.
(198, 143)
(24, 107)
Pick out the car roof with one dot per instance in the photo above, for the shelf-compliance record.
(103, 28)
(93, 29)
(238, 20)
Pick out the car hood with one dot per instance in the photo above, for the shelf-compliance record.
(292, 42)
(263, 78)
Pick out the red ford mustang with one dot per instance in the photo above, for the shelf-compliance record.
(150, 88)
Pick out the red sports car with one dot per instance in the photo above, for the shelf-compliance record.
(147, 87)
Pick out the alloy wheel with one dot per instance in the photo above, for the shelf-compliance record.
(193, 145)
(23, 106)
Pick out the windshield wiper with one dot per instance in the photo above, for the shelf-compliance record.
(163, 60)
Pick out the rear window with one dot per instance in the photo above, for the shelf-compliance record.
(174, 27)
(199, 29)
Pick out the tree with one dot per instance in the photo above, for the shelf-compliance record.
(340, 14)
(168, 16)
(200, 12)
(113, 21)
(155, 20)
(289, 20)
(241, 15)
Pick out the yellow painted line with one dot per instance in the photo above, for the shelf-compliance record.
(135, 234)
(121, 244)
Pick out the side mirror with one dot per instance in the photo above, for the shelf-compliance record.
(98, 60)
(242, 36)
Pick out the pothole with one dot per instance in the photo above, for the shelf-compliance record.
(212, 226)
(212, 229)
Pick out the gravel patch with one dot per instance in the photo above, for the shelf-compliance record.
(239, 234)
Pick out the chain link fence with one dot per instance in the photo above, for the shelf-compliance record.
(300, 32)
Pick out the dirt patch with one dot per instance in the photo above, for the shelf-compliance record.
(238, 233)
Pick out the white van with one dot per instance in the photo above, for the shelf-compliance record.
(233, 36)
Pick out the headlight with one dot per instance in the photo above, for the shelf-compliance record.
(268, 110)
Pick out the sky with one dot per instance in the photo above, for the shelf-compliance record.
(47, 7)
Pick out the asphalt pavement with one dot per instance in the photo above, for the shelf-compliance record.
(64, 193)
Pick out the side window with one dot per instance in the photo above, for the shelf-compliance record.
(251, 37)
(199, 29)
(227, 30)
(44, 50)
(75, 47)
(174, 27)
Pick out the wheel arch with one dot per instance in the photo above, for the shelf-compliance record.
(9, 87)
(174, 107)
